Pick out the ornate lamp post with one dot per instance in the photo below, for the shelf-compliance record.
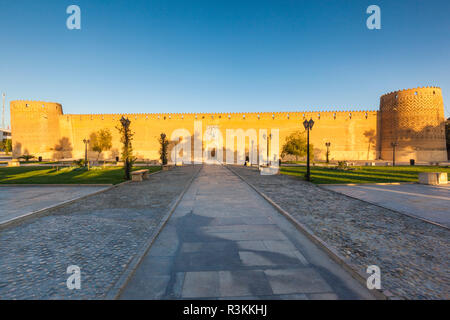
(394, 134)
(3, 111)
(328, 144)
(267, 137)
(251, 154)
(176, 151)
(393, 145)
(177, 147)
(86, 142)
(308, 126)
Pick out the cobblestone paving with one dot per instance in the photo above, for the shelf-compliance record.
(100, 234)
(413, 255)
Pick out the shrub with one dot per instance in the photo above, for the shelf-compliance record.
(342, 165)
(26, 157)
(79, 162)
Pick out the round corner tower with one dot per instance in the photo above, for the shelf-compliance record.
(34, 127)
(413, 121)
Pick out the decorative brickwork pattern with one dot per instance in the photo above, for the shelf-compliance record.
(414, 119)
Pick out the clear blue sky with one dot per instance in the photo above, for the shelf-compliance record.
(221, 55)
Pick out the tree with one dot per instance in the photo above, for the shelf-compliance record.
(327, 154)
(295, 145)
(163, 150)
(6, 145)
(126, 136)
(101, 141)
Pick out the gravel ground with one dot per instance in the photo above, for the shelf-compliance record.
(100, 234)
(413, 255)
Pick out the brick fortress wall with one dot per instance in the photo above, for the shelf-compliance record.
(415, 120)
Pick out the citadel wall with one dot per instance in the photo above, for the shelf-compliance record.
(352, 134)
(414, 118)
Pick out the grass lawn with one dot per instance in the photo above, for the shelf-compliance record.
(45, 175)
(322, 175)
(31, 162)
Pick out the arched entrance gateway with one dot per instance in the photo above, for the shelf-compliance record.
(213, 144)
(213, 153)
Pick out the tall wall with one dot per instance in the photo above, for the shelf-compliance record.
(35, 127)
(352, 134)
(414, 120)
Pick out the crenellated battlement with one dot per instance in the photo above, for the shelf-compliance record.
(412, 91)
(279, 115)
(36, 106)
(412, 116)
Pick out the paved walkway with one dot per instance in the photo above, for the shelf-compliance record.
(101, 234)
(225, 241)
(431, 203)
(19, 201)
(412, 254)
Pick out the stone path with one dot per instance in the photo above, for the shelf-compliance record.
(224, 241)
(431, 203)
(413, 255)
(101, 234)
(19, 201)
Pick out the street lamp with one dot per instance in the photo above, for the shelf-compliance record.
(308, 126)
(251, 154)
(394, 134)
(267, 137)
(86, 142)
(393, 145)
(177, 145)
(3, 111)
(328, 144)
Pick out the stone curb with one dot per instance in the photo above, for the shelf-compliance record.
(56, 185)
(383, 207)
(117, 288)
(47, 210)
(332, 253)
